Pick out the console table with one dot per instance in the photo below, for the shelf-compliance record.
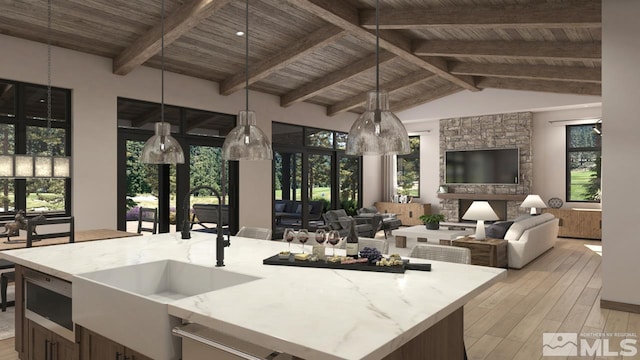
(409, 213)
(578, 223)
(487, 252)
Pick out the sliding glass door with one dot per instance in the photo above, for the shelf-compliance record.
(165, 187)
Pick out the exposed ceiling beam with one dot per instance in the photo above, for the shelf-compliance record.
(336, 78)
(391, 86)
(341, 14)
(541, 50)
(181, 21)
(563, 87)
(536, 72)
(283, 58)
(580, 14)
(425, 97)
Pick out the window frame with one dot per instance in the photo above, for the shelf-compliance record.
(21, 124)
(569, 150)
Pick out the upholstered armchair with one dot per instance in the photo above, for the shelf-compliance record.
(339, 220)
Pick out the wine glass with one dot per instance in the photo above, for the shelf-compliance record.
(320, 236)
(303, 236)
(333, 238)
(289, 236)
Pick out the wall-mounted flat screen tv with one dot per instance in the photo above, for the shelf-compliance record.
(488, 166)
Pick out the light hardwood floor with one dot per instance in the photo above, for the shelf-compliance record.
(558, 292)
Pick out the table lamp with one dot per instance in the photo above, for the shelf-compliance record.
(480, 211)
(533, 202)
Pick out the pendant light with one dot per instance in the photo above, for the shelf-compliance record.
(28, 166)
(246, 141)
(377, 131)
(162, 148)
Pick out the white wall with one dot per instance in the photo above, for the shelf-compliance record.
(621, 135)
(94, 109)
(493, 101)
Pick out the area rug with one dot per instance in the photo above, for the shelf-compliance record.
(7, 319)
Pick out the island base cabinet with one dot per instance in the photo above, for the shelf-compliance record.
(94, 346)
(45, 345)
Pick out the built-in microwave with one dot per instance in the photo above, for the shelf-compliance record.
(48, 302)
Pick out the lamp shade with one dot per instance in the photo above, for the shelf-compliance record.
(383, 134)
(162, 148)
(6, 166)
(246, 141)
(480, 210)
(533, 201)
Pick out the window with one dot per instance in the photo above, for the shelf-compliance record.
(583, 163)
(408, 180)
(24, 129)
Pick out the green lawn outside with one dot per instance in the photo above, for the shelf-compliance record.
(49, 201)
(316, 193)
(579, 181)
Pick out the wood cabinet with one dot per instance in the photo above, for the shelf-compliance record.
(46, 345)
(94, 346)
(578, 223)
(409, 214)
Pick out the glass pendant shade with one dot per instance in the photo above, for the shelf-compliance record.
(162, 148)
(246, 141)
(377, 131)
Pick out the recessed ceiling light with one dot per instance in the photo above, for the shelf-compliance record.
(240, 33)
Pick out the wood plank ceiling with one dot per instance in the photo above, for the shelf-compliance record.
(323, 51)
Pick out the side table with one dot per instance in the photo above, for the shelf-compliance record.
(487, 252)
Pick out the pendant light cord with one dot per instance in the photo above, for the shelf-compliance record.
(162, 64)
(49, 34)
(246, 57)
(377, 48)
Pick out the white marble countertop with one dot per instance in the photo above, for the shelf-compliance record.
(307, 312)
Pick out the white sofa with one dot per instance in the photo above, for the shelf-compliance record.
(530, 237)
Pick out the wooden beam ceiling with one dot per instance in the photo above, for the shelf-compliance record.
(336, 78)
(391, 86)
(532, 15)
(346, 17)
(282, 59)
(536, 72)
(563, 87)
(181, 21)
(540, 50)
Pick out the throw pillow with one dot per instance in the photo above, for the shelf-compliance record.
(299, 209)
(498, 229)
(280, 207)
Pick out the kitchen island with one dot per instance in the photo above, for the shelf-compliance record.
(306, 312)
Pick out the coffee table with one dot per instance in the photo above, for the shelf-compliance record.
(419, 233)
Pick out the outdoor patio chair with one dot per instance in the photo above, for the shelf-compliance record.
(148, 215)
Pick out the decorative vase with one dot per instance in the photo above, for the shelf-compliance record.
(433, 225)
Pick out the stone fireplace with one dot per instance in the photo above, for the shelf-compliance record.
(487, 132)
